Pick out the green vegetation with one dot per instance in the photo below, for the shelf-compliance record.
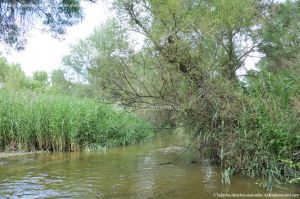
(191, 60)
(187, 72)
(266, 129)
(32, 121)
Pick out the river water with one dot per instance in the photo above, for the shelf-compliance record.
(125, 172)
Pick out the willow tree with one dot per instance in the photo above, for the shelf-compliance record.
(188, 34)
(190, 49)
(203, 44)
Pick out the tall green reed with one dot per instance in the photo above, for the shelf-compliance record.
(63, 123)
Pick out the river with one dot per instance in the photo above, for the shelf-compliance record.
(125, 172)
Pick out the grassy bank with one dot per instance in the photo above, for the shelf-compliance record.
(63, 123)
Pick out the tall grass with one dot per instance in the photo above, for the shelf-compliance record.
(63, 123)
(269, 129)
(253, 129)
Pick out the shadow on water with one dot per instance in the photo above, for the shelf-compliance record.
(125, 172)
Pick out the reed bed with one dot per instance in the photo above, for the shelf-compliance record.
(64, 123)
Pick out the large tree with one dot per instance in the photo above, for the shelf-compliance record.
(189, 46)
(188, 62)
(218, 34)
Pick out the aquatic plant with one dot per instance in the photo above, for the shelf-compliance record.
(63, 123)
(226, 176)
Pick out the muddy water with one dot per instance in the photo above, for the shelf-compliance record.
(126, 172)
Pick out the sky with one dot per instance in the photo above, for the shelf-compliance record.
(43, 52)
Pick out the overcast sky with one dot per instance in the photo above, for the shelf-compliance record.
(44, 52)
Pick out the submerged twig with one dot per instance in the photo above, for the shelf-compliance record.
(173, 161)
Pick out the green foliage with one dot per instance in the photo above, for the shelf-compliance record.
(20, 16)
(3, 69)
(96, 58)
(41, 76)
(291, 164)
(191, 54)
(195, 35)
(61, 85)
(13, 78)
(62, 123)
(266, 129)
(189, 46)
(58, 77)
(280, 33)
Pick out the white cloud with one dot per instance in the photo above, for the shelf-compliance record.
(44, 52)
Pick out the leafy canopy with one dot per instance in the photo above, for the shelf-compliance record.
(19, 16)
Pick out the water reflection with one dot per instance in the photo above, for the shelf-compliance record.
(207, 173)
(145, 176)
(127, 172)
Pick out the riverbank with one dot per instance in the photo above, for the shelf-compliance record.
(41, 122)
